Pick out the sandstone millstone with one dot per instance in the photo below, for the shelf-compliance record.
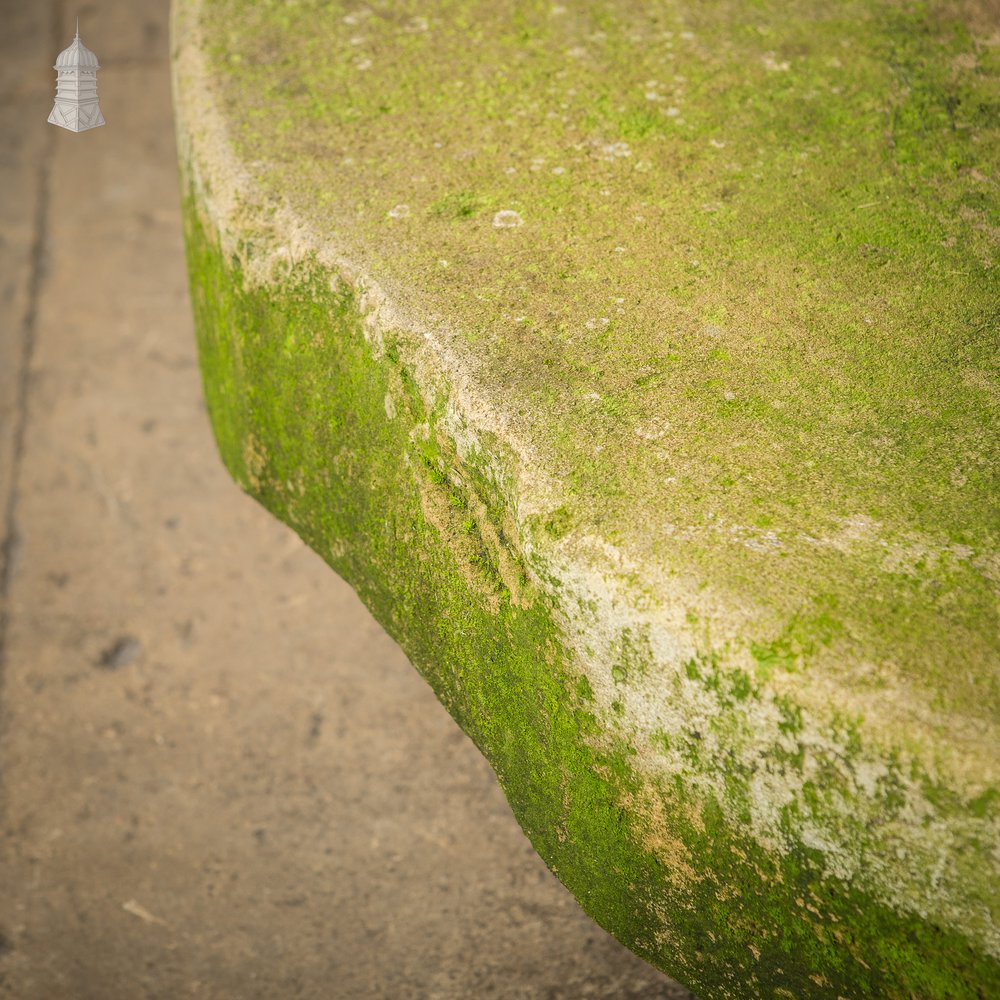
(636, 365)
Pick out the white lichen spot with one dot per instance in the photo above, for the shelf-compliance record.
(672, 112)
(620, 250)
(537, 163)
(357, 40)
(605, 192)
(444, 263)
(729, 394)
(652, 95)
(772, 65)
(652, 430)
(520, 319)
(615, 150)
(557, 10)
(716, 144)
(363, 64)
(769, 540)
(507, 219)
(577, 52)
(399, 212)
(687, 36)
(558, 170)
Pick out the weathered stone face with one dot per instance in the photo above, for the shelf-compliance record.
(636, 364)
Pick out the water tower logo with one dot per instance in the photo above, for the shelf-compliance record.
(76, 106)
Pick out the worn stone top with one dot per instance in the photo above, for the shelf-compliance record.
(728, 271)
(720, 282)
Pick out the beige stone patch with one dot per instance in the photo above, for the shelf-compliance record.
(657, 837)
(254, 460)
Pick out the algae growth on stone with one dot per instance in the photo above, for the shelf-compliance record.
(636, 363)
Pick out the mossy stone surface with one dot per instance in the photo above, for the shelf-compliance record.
(636, 363)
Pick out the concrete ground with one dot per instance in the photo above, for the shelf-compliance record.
(218, 776)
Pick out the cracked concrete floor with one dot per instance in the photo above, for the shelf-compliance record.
(220, 778)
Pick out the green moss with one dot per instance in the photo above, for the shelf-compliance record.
(791, 721)
(297, 404)
(458, 205)
(986, 803)
(800, 638)
(558, 522)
